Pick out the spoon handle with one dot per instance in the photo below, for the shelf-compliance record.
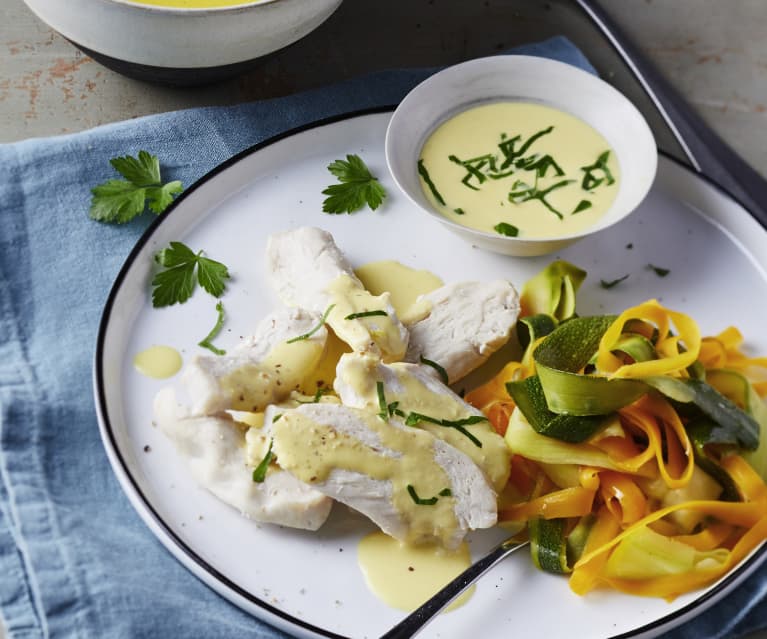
(417, 620)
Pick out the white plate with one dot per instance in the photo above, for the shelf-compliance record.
(309, 583)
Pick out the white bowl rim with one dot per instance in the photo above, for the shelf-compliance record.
(454, 109)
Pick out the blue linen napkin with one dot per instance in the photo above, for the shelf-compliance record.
(75, 559)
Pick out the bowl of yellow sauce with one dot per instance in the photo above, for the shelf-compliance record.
(521, 155)
(182, 42)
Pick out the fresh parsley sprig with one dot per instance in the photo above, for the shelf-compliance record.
(184, 269)
(358, 187)
(119, 201)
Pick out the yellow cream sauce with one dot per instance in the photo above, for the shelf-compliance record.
(403, 283)
(403, 576)
(310, 451)
(412, 395)
(377, 333)
(158, 362)
(478, 191)
(254, 386)
(194, 4)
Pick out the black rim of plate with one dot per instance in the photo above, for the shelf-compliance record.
(110, 443)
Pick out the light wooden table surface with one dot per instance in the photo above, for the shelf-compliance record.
(713, 51)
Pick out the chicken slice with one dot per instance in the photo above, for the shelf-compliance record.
(213, 448)
(414, 486)
(264, 368)
(363, 381)
(466, 323)
(308, 270)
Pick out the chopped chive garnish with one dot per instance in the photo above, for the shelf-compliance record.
(459, 211)
(315, 329)
(259, 472)
(590, 181)
(582, 206)
(441, 371)
(611, 283)
(384, 409)
(319, 393)
(365, 314)
(445, 492)
(414, 418)
(506, 229)
(206, 342)
(427, 178)
(421, 502)
(521, 192)
(276, 417)
(659, 271)
(393, 410)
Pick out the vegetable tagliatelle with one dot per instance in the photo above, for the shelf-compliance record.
(664, 491)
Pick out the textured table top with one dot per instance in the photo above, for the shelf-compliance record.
(713, 52)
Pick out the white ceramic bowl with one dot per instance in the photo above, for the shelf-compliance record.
(181, 46)
(530, 79)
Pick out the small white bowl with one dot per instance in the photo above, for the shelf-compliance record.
(181, 46)
(528, 79)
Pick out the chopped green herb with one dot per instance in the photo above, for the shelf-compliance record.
(441, 371)
(424, 173)
(119, 201)
(659, 271)
(384, 409)
(592, 178)
(318, 394)
(445, 492)
(315, 329)
(513, 156)
(582, 206)
(459, 211)
(611, 283)
(414, 418)
(358, 187)
(206, 342)
(276, 417)
(474, 169)
(393, 410)
(176, 284)
(366, 314)
(421, 502)
(259, 472)
(506, 229)
(521, 192)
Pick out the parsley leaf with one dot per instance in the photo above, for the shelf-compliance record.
(176, 284)
(358, 187)
(119, 201)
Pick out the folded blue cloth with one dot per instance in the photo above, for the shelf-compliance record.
(75, 559)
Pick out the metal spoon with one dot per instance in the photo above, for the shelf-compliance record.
(417, 620)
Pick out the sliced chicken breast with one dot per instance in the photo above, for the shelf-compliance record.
(308, 270)
(214, 451)
(467, 322)
(411, 390)
(264, 368)
(414, 486)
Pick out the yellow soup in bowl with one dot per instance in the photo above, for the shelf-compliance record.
(194, 4)
(519, 169)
